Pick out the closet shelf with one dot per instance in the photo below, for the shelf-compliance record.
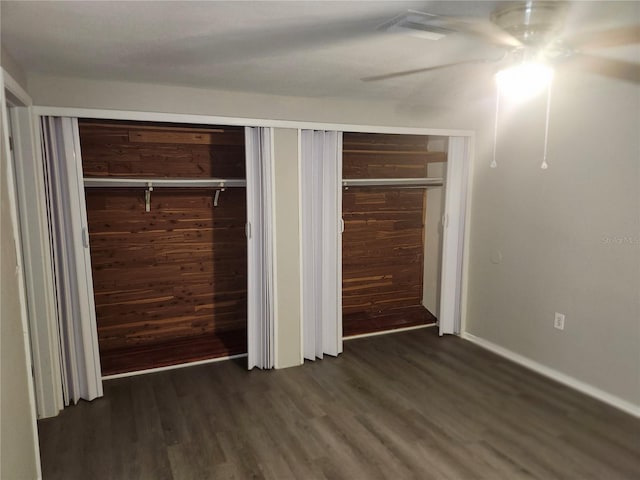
(165, 182)
(393, 182)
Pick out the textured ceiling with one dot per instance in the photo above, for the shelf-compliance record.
(313, 49)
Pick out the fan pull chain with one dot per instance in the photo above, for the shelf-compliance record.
(544, 165)
(494, 164)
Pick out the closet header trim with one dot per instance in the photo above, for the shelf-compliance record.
(241, 121)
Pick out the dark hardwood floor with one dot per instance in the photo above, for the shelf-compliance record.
(404, 405)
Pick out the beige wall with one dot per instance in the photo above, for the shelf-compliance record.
(12, 67)
(18, 450)
(287, 248)
(569, 237)
(110, 95)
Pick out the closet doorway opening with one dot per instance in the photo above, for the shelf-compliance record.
(393, 202)
(166, 215)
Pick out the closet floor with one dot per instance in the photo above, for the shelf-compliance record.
(174, 352)
(390, 319)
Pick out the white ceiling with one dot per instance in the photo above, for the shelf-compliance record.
(313, 49)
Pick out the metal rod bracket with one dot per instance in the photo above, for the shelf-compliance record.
(147, 197)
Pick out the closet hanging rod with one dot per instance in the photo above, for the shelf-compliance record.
(165, 182)
(393, 182)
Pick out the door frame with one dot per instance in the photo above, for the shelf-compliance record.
(13, 96)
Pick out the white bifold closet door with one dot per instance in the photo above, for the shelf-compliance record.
(449, 319)
(260, 265)
(71, 260)
(321, 175)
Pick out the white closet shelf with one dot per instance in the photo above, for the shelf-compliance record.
(393, 182)
(165, 182)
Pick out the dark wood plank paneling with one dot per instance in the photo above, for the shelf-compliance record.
(383, 241)
(170, 285)
(378, 155)
(175, 272)
(160, 136)
(125, 149)
(382, 262)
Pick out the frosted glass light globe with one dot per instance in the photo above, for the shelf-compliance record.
(524, 81)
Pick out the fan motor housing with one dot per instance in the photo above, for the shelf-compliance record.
(533, 23)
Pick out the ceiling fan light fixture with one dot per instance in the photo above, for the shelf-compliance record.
(531, 22)
(525, 80)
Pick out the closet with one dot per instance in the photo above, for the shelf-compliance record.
(166, 210)
(390, 274)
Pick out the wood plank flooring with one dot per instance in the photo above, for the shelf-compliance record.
(398, 406)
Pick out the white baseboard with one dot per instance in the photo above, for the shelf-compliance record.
(560, 377)
(171, 367)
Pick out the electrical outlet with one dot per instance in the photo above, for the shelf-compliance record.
(558, 321)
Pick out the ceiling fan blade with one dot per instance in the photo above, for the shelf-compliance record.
(414, 71)
(608, 67)
(485, 30)
(628, 35)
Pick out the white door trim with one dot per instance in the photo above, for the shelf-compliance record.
(240, 121)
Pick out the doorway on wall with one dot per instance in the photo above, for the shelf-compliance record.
(166, 212)
(393, 204)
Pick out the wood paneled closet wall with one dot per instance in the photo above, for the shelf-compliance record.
(170, 284)
(383, 239)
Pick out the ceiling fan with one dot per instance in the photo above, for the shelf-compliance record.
(530, 33)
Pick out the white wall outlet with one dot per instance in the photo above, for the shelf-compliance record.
(558, 321)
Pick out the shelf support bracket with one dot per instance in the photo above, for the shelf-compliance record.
(216, 196)
(147, 197)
